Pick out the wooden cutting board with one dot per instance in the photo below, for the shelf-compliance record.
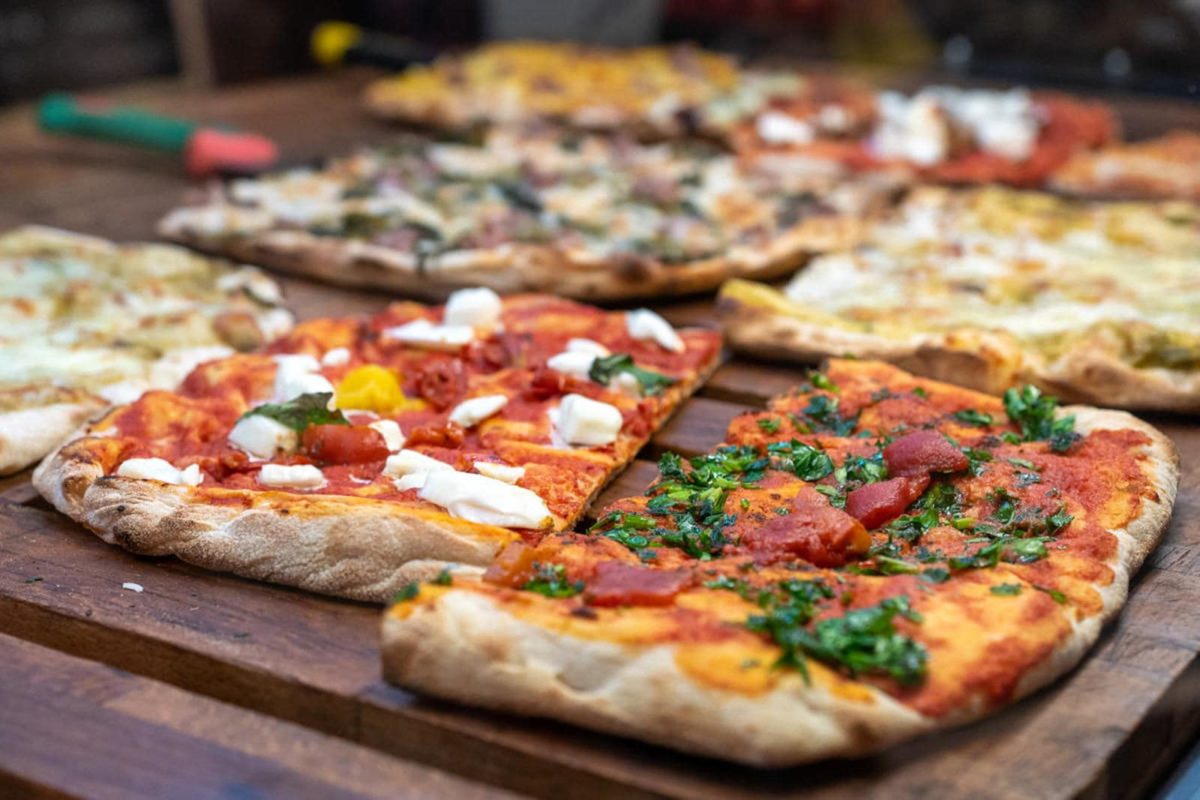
(1111, 728)
(297, 675)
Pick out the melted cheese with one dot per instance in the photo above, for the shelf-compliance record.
(478, 498)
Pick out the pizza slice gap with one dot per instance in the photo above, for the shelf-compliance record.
(926, 557)
(993, 289)
(353, 455)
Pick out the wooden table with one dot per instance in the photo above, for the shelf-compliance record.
(205, 684)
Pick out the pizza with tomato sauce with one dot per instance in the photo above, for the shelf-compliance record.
(872, 557)
(941, 133)
(1166, 168)
(354, 454)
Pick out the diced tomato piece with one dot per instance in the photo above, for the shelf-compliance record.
(344, 444)
(618, 584)
(921, 453)
(489, 355)
(545, 383)
(448, 435)
(513, 566)
(814, 530)
(876, 504)
(442, 381)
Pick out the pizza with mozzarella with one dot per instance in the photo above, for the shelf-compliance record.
(872, 557)
(579, 215)
(88, 322)
(1166, 168)
(940, 134)
(354, 454)
(991, 288)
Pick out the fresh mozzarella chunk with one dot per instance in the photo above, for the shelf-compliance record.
(393, 437)
(474, 307)
(587, 346)
(582, 420)
(262, 437)
(470, 413)
(414, 480)
(292, 476)
(624, 382)
(644, 324)
(337, 357)
(408, 462)
(275, 322)
(775, 127)
(157, 469)
(296, 375)
(423, 333)
(501, 472)
(572, 363)
(487, 501)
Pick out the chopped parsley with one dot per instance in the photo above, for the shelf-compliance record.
(821, 381)
(1033, 413)
(444, 578)
(550, 580)
(1055, 594)
(1006, 589)
(299, 413)
(862, 469)
(804, 461)
(970, 416)
(769, 424)
(821, 414)
(691, 497)
(604, 369)
(408, 592)
(862, 641)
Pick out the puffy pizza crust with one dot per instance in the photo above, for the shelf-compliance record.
(514, 268)
(28, 434)
(464, 646)
(977, 359)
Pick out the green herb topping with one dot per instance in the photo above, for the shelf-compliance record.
(1033, 413)
(299, 413)
(606, 368)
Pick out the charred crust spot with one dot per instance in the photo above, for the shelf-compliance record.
(121, 508)
(584, 612)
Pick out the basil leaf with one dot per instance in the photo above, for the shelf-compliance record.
(300, 412)
(606, 368)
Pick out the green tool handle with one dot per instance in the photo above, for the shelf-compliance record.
(62, 113)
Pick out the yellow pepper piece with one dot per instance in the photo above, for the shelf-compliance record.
(374, 388)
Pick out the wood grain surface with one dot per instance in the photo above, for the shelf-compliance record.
(196, 655)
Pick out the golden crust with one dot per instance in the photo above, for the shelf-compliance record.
(756, 322)
(519, 268)
(462, 645)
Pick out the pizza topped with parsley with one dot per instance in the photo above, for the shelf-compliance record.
(580, 215)
(352, 452)
(871, 557)
(941, 133)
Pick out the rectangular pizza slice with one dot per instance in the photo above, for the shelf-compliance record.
(1166, 168)
(578, 215)
(872, 557)
(989, 288)
(354, 454)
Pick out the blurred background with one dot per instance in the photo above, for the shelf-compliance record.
(1146, 46)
